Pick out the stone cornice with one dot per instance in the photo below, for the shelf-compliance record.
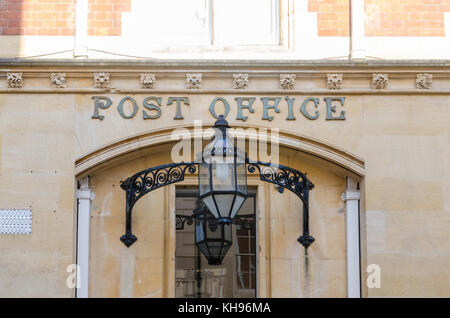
(258, 92)
(226, 64)
(352, 77)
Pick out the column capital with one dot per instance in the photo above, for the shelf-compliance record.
(350, 195)
(85, 195)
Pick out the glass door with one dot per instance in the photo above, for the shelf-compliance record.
(235, 276)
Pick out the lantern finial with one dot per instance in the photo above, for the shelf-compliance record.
(221, 122)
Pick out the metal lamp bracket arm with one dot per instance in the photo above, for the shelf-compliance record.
(146, 181)
(154, 178)
(294, 181)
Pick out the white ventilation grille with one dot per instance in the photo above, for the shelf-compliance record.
(15, 221)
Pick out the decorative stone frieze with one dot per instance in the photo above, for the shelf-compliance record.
(147, 80)
(380, 81)
(58, 80)
(193, 80)
(15, 80)
(240, 81)
(287, 81)
(423, 81)
(101, 80)
(334, 81)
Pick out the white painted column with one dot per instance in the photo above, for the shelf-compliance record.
(357, 18)
(351, 198)
(84, 196)
(81, 23)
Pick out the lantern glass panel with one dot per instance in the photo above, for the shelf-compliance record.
(237, 205)
(205, 187)
(213, 239)
(203, 176)
(223, 176)
(241, 176)
(209, 201)
(199, 233)
(224, 203)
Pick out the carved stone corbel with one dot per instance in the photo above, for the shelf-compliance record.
(423, 81)
(334, 81)
(101, 80)
(15, 80)
(147, 80)
(58, 80)
(287, 81)
(193, 81)
(380, 81)
(240, 81)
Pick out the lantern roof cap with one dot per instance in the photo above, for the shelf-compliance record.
(221, 123)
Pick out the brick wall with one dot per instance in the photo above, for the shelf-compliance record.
(57, 17)
(333, 17)
(383, 17)
(37, 17)
(105, 17)
(405, 17)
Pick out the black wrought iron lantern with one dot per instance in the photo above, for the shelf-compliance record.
(222, 176)
(212, 238)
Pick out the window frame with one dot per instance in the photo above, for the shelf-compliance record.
(285, 31)
(212, 27)
(285, 38)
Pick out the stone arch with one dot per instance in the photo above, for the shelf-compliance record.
(329, 156)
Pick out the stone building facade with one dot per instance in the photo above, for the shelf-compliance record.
(356, 93)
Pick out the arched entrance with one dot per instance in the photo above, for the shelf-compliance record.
(148, 269)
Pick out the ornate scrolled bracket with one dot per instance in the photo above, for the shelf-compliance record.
(180, 220)
(247, 221)
(154, 178)
(146, 181)
(283, 177)
(293, 180)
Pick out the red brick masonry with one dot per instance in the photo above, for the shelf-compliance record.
(104, 18)
(383, 17)
(57, 17)
(37, 17)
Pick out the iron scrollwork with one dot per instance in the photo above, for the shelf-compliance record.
(294, 181)
(146, 181)
(154, 178)
(247, 222)
(180, 220)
